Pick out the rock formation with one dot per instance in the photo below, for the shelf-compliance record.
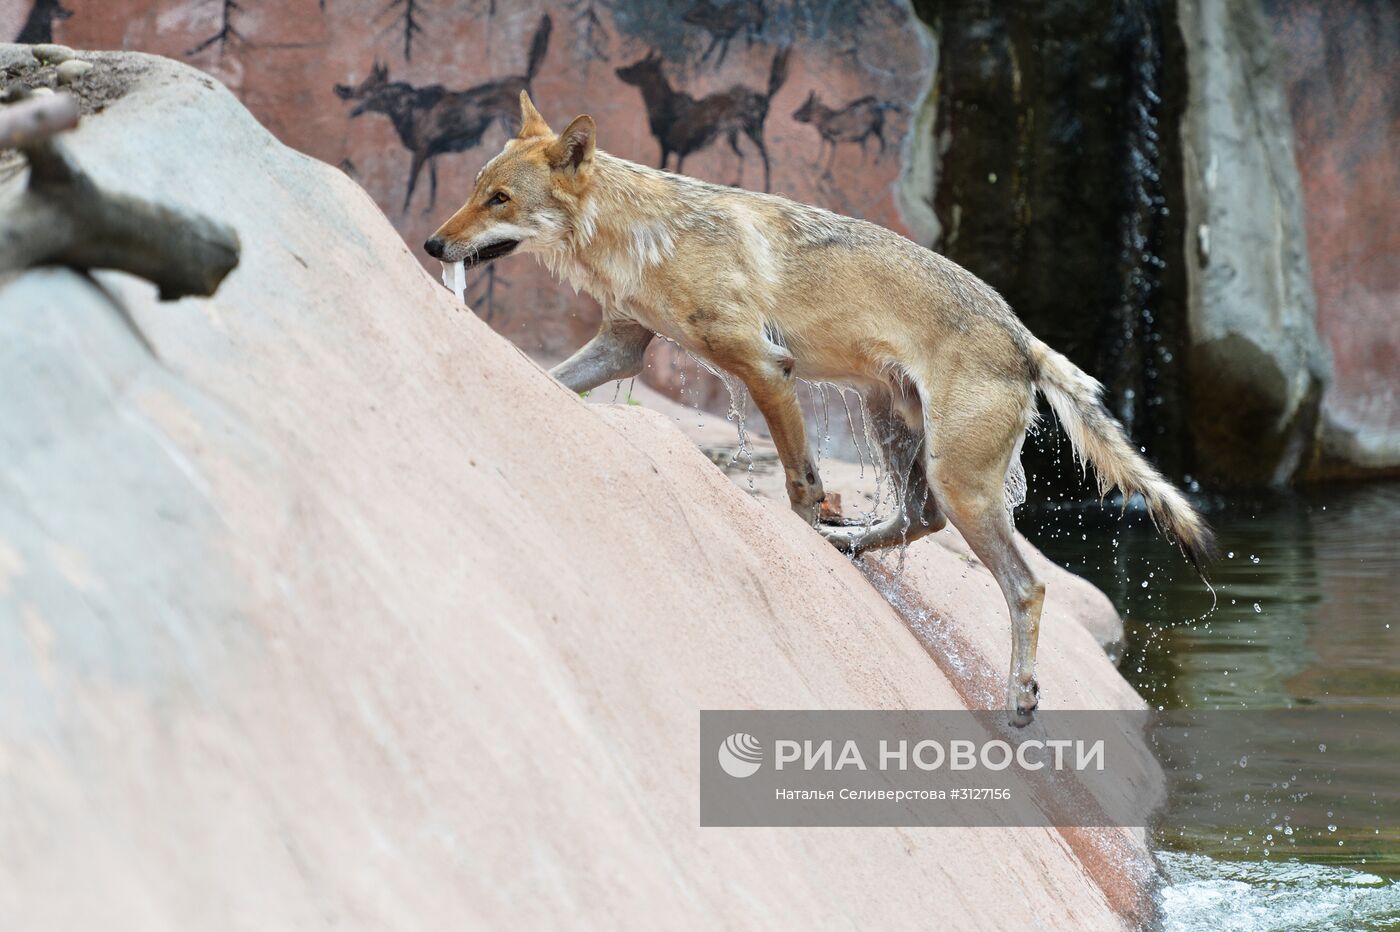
(320, 603)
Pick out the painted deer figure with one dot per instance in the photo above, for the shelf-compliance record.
(684, 125)
(432, 120)
(725, 21)
(856, 122)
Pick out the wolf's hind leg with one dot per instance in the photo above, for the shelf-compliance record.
(974, 446)
(615, 352)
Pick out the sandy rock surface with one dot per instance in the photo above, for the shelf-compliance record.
(320, 604)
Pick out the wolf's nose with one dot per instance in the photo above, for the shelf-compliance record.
(434, 247)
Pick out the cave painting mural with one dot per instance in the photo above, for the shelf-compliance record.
(726, 21)
(855, 123)
(431, 120)
(682, 124)
(411, 97)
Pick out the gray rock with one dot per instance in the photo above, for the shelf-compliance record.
(16, 56)
(52, 54)
(72, 70)
(1258, 367)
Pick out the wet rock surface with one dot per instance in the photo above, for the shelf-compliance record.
(1125, 175)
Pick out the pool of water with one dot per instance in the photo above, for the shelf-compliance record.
(1307, 617)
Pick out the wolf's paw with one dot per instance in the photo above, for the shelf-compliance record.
(805, 493)
(1022, 700)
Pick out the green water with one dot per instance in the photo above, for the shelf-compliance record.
(1308, 618)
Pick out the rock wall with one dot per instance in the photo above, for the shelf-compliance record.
(1258, 366)
(451, 70)
(1119, 171)
(321, 604)
(1341, 66)
(1190, 199)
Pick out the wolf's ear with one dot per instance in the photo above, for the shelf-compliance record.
(531, 123)
(574, 147)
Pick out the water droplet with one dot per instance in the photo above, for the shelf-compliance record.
(1257, 609)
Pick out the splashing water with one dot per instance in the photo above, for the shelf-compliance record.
(1205, 895)
(738, 410)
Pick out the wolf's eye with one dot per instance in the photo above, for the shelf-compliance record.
(500, 197)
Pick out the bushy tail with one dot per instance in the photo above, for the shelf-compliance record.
(538, 46)
(778, 72)
(1099, 439)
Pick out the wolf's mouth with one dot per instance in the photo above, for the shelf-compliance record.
(486, 253)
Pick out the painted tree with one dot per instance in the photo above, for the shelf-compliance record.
(593, 35)
(408, 18)
(227, 32)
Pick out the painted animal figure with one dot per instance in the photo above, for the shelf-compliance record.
(38, 26)
(773, 291)
(856, 122)
(684, 125)
(725, 21)
(432, 120)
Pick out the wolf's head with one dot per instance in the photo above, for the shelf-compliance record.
(526, 198)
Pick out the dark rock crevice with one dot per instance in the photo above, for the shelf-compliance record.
(1056, 129)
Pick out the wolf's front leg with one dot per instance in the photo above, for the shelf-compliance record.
(615, 352)
(778, 402)
(767, 372)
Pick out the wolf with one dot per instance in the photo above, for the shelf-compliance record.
(772, 291)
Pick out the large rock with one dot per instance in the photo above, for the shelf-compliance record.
(1341, 62)
(322, 604)
(1258, 367)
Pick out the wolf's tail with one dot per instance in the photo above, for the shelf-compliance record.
(778, 72)
(538, 46)
(1099, 439)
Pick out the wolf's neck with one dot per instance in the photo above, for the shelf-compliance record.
(624, 228)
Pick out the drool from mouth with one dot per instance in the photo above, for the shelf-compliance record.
(495, 251)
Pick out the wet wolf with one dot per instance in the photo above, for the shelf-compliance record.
(772, 291)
